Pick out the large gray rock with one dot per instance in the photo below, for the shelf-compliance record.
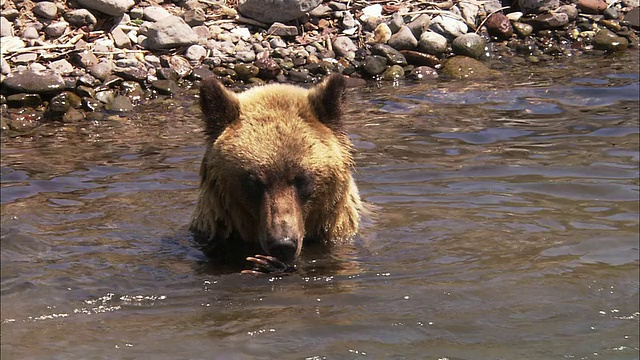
(471, 45)
(432, 43)
(403, 39)
(46, 9)
(32, 81)
(109, 7)
(344, 47)
(270, 11)
(170, 32)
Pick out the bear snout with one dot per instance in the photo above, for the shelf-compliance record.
(285, 249)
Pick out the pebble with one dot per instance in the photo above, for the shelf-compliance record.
(499, 25)
(419, 25)
(448, 27)
(522, 29)
(375, 64)
(382, 33)
(394, 57)
(170, 32)
(165, 87)
(109, 7)
(537, 6)
(46, 9)
(30, 33)
(471, 45)
(420, 59)
(462, 67)
(423, 72)
(394, 72)
(403, 39)
(24, 100)
(195, 53)
(80, 17)
(119, 103)
(344, 47)
(432, 43)
(62, 67)
(607, 40)
(6, 27)
(279, 29)
(550, 21)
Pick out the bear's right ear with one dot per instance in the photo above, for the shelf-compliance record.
(219, 106)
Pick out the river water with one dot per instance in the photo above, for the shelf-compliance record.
(504, 225)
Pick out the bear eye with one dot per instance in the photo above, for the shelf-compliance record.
(304, 184)
(254, 186)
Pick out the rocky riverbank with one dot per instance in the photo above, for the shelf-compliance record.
(91, 59)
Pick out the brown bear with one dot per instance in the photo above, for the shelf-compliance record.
(277, 171)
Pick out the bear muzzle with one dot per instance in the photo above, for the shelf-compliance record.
(282, 227)
(284, 249)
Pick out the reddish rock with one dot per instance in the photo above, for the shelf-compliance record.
(591, 6)
(498, 25)
(420, 59)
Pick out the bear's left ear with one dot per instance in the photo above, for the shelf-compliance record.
(327, 100)
(219, 106)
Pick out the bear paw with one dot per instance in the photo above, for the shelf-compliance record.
(264, 264)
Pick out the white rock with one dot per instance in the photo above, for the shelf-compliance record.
(155, 13)
(10, 43)
(6, 27)
(170, 32)
(374, 11)
(448, 27)
(243, 32)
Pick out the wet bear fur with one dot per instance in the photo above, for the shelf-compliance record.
(276, 173)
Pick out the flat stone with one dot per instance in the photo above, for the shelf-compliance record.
(84, 58)
(155, 13)
(200, 73)
(80, 17)
(165, 87)
(6, 27)
(394, 57)
(31, 81)
(432, 43)
(120, 39)
(276, 10)
(170, 32)
(403, 39)
(109, 7)
(46, 9)
(471, 45)
(22, 100)
(30, 33)
(591, 6)
(279, 29)
(550, 21)
(101, 70)
(195, 17)
(419, 59)
(119, 104)
(537, 6)
(62, 67)
(136, 73)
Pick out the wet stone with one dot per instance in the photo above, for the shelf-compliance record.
(498, 25)
(301, 75)
(523, 29)
(591, 6)
(132, 73)
(550, 21)
(91, 104)
(632, 18)
(72, 116)
(570, 10)
(420, 59)
(225, 72)
(393, 73)
(32, 81)
(394, 57)
(246, 71)
(199, 73)
(267, 67)
(167, 74)
(471, 45)
(24, 100)
(165, 87)
(423, 73)
(375, 64)
(607, 40)
(64, 101)
(462, 67)
(119, 103)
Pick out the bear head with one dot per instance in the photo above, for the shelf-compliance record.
(277, 167)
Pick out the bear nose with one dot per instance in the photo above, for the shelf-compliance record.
(283, 249)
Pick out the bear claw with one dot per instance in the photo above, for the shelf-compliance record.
(264, 264)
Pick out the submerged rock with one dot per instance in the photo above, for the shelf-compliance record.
(462, 67)
(34, 81)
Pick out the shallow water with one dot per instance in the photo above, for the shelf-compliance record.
(504, 225)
